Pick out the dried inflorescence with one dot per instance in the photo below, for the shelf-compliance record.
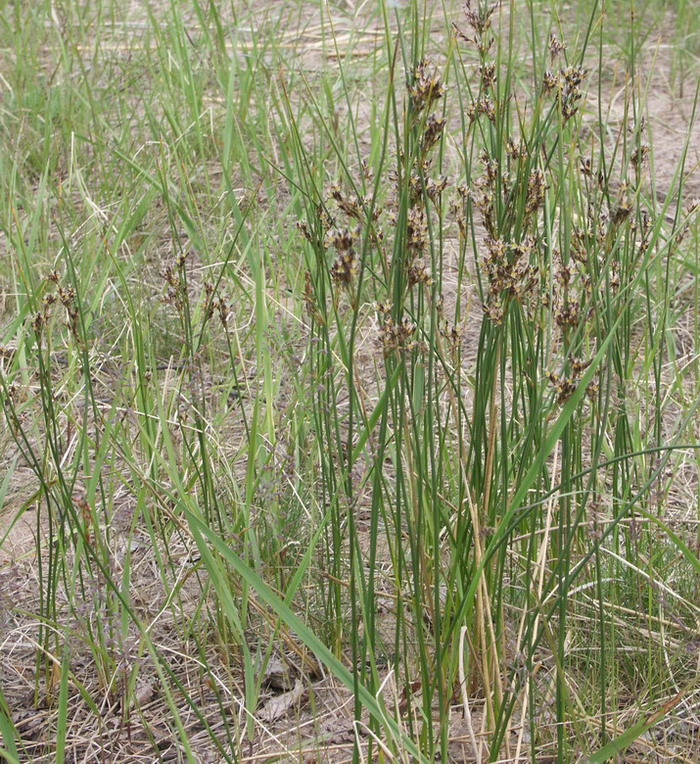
(176, 287)
(175, 279)
(305, 231)
(691, 209)
(397, 337)
(614, 276)
(479, 21)
(426, 87)
(487, 74)
(639, 156)
(484, 190)
(536, 188)
(67, 296)
(566, 85)
(434, 126)
(344, 269)
(343, 240)
(483, 105)
(215, 304)
(517, 150)
(351, 207)
(435, 186)
(550, 81)
(419, 274)
(311, 302)
(421, 183)
(416, 230)
(555, 46)
(309, 297)
(173, 291)
(511, 275)
(14, 396)
(643, 228)
(511, 193)
(345, 266)
(570, 93)
(567, 312)
(508, 268)
(564, 385)
(459, 209)
(624, 206)
(40, 320)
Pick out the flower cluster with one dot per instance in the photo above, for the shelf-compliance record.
(216, 304)
(66, 295)
(510, 274)
(566, 85)
(565, 385)
(483, 105)
(396, 336)
(479, 21)
(425, 89)
(345, 265)
(174, 280)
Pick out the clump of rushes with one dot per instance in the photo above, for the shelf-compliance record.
(460, 460)
(459, 475)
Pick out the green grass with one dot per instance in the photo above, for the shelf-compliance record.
(349, 373)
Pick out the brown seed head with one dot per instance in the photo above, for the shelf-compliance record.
(427, 87)
(555, 46)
